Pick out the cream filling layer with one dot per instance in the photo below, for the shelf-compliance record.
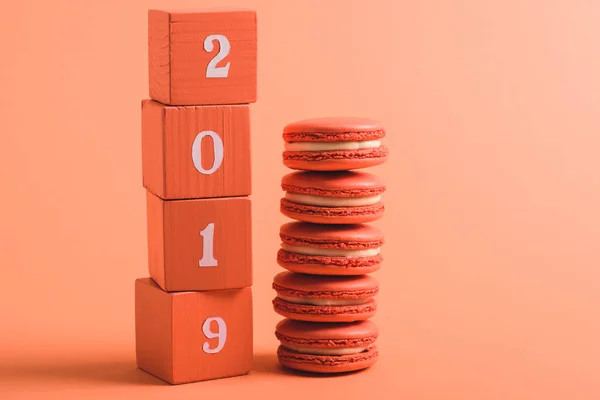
(311, 200)
(330, 146)
(312, 251)
(326, 352)
(323, 302)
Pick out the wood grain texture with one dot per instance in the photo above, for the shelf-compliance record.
(178, 61)
(174, 350)
(153, 147)
(159, 65)
(175, 245)
(153, 329)
(168, 133)
(155, 227)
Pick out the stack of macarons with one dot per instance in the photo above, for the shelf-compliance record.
(326, 294)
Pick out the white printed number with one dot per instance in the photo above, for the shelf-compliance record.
(217, 152)
(220, 334)
(212, 71)
(208, 238)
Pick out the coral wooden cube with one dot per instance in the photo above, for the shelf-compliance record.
(192, 336)
(204, 57)
(202, 244)
(196, 151)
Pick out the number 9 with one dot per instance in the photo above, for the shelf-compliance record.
(220, 334)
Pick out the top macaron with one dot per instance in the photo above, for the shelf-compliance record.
(333, 144)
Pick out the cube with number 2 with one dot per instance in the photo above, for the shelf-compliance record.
(195, 151)
(192, 336)
(202, 57)
(200, 244)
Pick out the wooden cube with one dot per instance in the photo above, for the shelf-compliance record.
(203, 244)
(196, 151)
(204, 57)
(192, 336)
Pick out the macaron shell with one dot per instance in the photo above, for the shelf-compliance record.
(333, 125)
(340, 160)
(332, 136)
(337, 160)
(333, 183)
(328, 335)
(312, 313)
(327, 364)
(346, 237)
(331, 215)
(323, 265)
(328, 287)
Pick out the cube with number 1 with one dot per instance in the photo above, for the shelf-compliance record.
(199, 244)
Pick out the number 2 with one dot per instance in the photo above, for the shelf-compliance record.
(220, 334)
(212, 71)
(208, 237)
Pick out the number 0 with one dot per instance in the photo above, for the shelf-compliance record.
(220, 334)
(212, 71)
(218, 152)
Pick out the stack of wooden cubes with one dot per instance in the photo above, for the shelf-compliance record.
(193, 316)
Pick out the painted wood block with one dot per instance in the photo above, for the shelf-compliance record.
(196, 151)
(206, 57)
(202, 244)
(192, 336)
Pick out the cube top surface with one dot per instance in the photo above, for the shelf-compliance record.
(192, 14)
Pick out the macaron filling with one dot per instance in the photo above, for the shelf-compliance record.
(324, 201)
(332, 146)
(330, 252)
(322, 302)
(326, 351)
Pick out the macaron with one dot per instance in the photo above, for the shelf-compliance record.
(335, 197)
(327, 347)
(333, 144)
(330, 249)
(325, 298)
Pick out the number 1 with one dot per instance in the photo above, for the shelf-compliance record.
(208, 237)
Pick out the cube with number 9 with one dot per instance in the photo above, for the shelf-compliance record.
(195, 151)
(206, 57)
(192, 336)
(201, 244)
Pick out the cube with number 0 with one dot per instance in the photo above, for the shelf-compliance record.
(201, 244)
(192, 336)
(204, 57)
(195, 151)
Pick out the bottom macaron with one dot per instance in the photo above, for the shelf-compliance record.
(327, 347)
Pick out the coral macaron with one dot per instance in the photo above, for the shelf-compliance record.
(333, 144)
(325, 298)
(330, 249)
(327, 347)
(339, 197)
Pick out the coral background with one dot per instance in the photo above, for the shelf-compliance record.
(491, 285)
